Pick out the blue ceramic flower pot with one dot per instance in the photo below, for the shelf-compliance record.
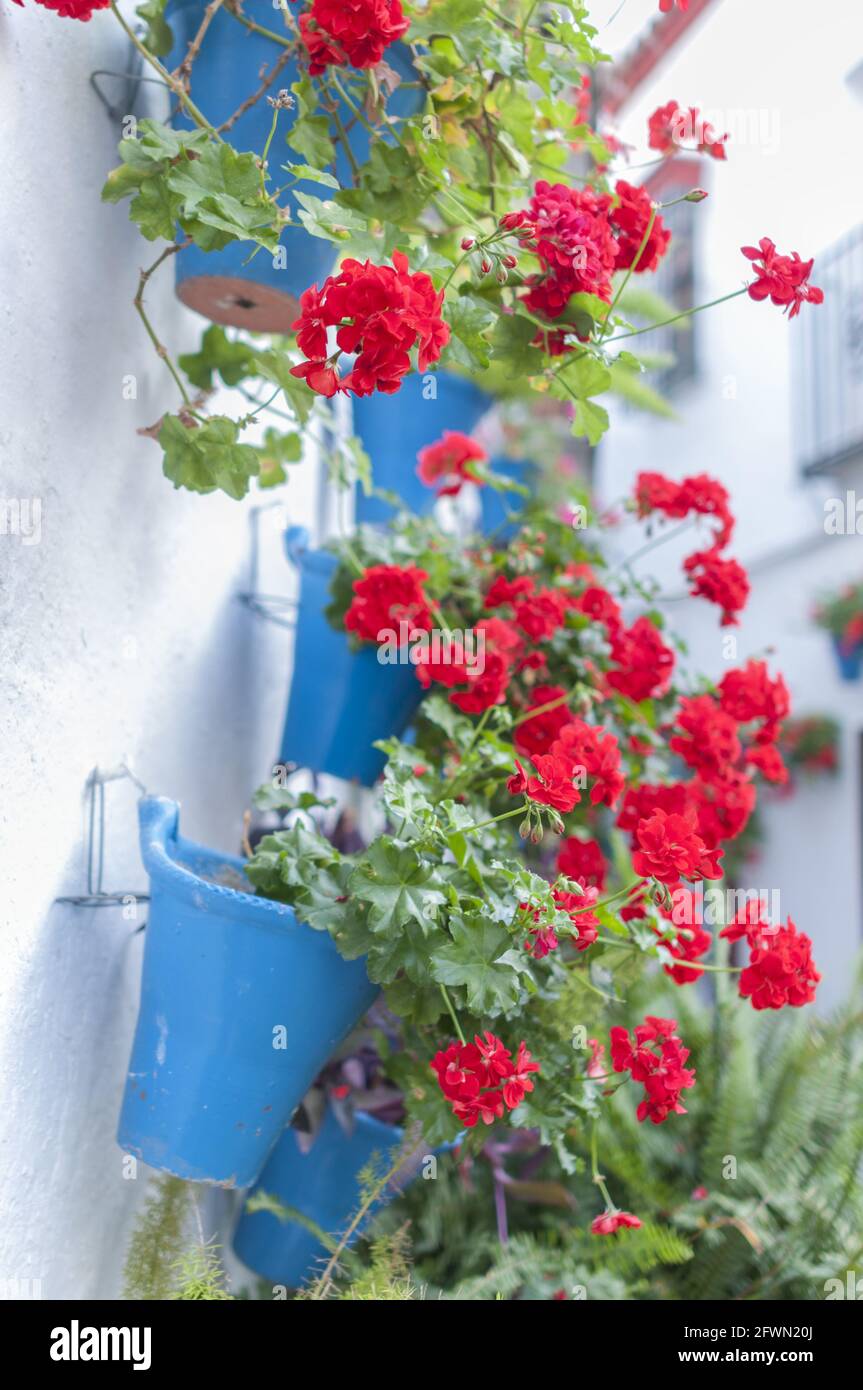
(341, 700)
(225, 286)
(850, 663)
(322, 1185)
(394, 428)
(241, 1006)
(496, 506)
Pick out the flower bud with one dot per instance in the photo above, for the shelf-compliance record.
(511, 261)
(697, 195)
(468, 243)
(502, 275)
(485, 267)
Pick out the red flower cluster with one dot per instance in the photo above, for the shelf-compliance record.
(581, 237)
(785, 279)
(700, 494)
(630, 218)
(592, 751)
(381, 312)
(611, 1221)
(72, 9)
(447, 462)
(537, 612)
(722, 807)
(384, 596)
(536, 735)
(670, 848)
(574, 243)
(583, 860)
(654, 1056)
(552, 786)
(350, 33)
(644, 663)
(722, 581)
(671, 126)
(709, 742)
(781, 969)
(481, 1077)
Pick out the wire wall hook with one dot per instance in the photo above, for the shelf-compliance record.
(273, 608)
(95, 788)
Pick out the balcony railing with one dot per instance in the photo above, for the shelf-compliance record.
(828, 362)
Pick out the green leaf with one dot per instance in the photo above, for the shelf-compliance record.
(233, 361)
(306, 171)
(470, 320)
(590, 420)
(207, 458)
(159, 38)
(396, 884)
(310, 137)
(480, 959)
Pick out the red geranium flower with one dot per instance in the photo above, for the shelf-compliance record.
(583, 860)
(574, 243)
(700, 494)
(671, 849)
(551, 787)
(448, 459)
(723, 582)
(630, 217)
(72, 9)
(711, 747)
(486, 687)
(597, 753)
(611, 1221)
(671, 126)
(470, 1077)
(748, 693)
(654, 1057)
(350, 33)
(785, 279)
(380, 312)
(384, 596)
(644, 663)
(536, 735)
(781, 969)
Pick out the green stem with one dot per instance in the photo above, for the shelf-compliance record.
(266, 151)
(604, 902)
(628, 276)
(687, 313)
(452, 1014)
(519, 811)
(598, 1177)
(174, 83)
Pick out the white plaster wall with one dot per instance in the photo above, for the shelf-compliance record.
(784, 64)
(121, 637)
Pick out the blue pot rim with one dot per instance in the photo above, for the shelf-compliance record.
(159, 820)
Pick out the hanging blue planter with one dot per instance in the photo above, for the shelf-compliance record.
(322, 1185)
(850, 662)
(394, 428)
(341, 700)
(212, 1080)
(226, 286)
(496, 506)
